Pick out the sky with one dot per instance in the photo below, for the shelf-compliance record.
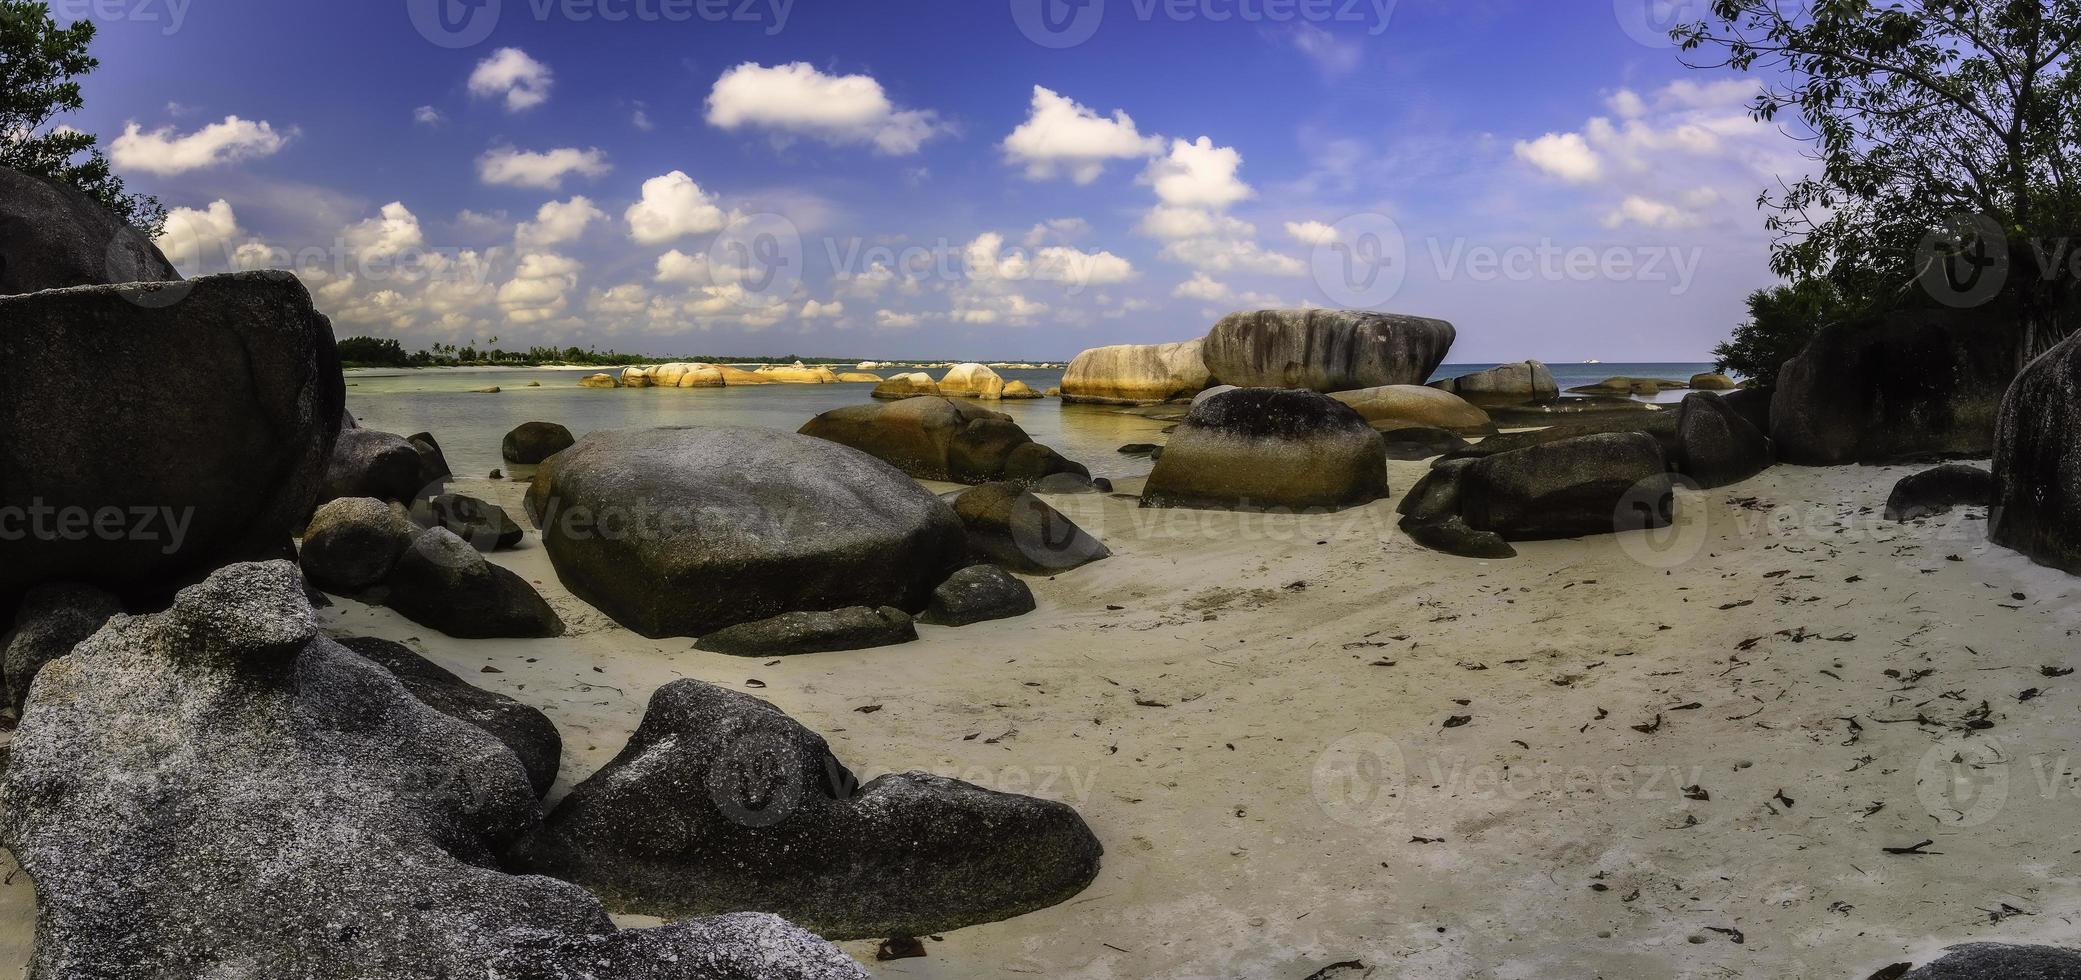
(974, 179)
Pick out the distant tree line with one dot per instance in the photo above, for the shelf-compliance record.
(387, 352)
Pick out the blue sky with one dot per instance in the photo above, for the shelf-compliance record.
(912, 178)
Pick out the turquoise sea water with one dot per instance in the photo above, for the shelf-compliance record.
(469, 425)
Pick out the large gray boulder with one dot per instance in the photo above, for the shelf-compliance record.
(1136, 374)
(532, 442)
(795, 633)
(1592, 484)
(1936, 490)
(443, 582)
(352, 544)
(2000, 961)
(368, 463)
(1326, 350)
(53, 236)
(1523, 381)
(526, 731)
(720, 802)
(1918, 386)
(433, 463)
(1009, 526)
(199, 429)
(221, 791)
(681, 532)
(52, 620)
(1269, 448)
(934, 438)
(2037, 462)
(1717, 447)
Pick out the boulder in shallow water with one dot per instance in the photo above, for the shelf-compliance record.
(221, 785)
(1326, 350)
(1935, 491)
(532, 442)
(51, 621)
(353, 544)
(1270, 448)
(1018, 391)
(598, 381)
(1010, 526)
(526, 731)
(1712, 382)
(205, 434)
(681, 532)
(442, 582)
(934, 438)
(912, 385)
(484, 525)
(1403, 406)
(971, 381)
(368, 463)
(1630, 386)
(720, 801)
(978, 594)
(1523, 381)
(1919, 386)
(1717, 446)
(2037, 462)
(793, 633)
(2000, 961)
(52, 236)
(1136, 374)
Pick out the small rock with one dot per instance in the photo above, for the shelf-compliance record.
(978, 594)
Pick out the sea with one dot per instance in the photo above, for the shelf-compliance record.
(469, 425)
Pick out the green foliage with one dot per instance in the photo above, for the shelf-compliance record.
(1782, 320)
(38, 64)
(373, 352)
(387, 352)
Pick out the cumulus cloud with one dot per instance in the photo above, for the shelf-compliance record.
(511, 167)
(1226, 256)
(428, 116)
(165, 152)
(511, 75)
(1174, 223)
(1332, 55)
(1198, 174)
(1057, 229)
(688, 270)
(558, 222)
(1311, 232)
(1201, 287)
(673, 207)
(193, 238)
(892, 320)
(814, 310)
(1564, 155)
(798, 100)
(393, 232)
(1060, 137)
(539, 289)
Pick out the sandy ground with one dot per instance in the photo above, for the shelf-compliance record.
(1306, 741)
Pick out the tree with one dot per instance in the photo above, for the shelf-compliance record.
(1921, 113)
(38, 64)
(1781, 321)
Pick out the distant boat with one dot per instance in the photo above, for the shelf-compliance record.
(1593, 361)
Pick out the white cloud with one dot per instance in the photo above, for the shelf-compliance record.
(1225, 256)
(427, 115)
(197, 237)
(1201, 287)
(628, 299)
(507, 166)
(1174, 223)
(1650, 213)
(558, 222)
(1627, 103)
(678, 267)
(1060, 136)
(165, 152)
(673, 206)
(1059, 229)
(1311, 232)
(510, 74)
(1564, 155)
(798, 100)
(394, 232)
(539, 287)
(1198, 175)
(1332, 55)
(814, 310)
(892, 320)
(987, 260)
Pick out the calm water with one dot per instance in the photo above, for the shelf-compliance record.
(469, 425)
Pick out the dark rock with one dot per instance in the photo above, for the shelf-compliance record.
(1068, 483)
(1630, 386)
(1593, 484)
(1453, 537)
(1325, 350)
(53, 236)
(221, 788)
(368, 463)
(2037, 462)
(1421, 442)
(1573, 410)
(720, 802)
(433, 464)
(934, 438)
(523, 729)
(1919, 386)
(442, 582)
(217, 412)
(1266, 448)
(484, 525)
(682, 532)
(1716, 446)
(1999, 961)
(1752, 404)
(1520, 382)
(533, 442)
(1142, 450)
(1660, 424)
(353, 544)
(978, 594)
(1436, 497)
(52, 620)
(1014, 528)
(1935, 491)
(788, 634)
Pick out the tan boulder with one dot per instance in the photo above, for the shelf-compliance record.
(1137, 374)
(1018, 390)
(734, 377)
(971, 381)
(1630, 386)
(1713, 382)
(912, 385)
(599, 381)
(798, 374)
(636, 377)
(859, 377)
(1409, 406)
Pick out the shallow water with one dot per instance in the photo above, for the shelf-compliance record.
(469, 426)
